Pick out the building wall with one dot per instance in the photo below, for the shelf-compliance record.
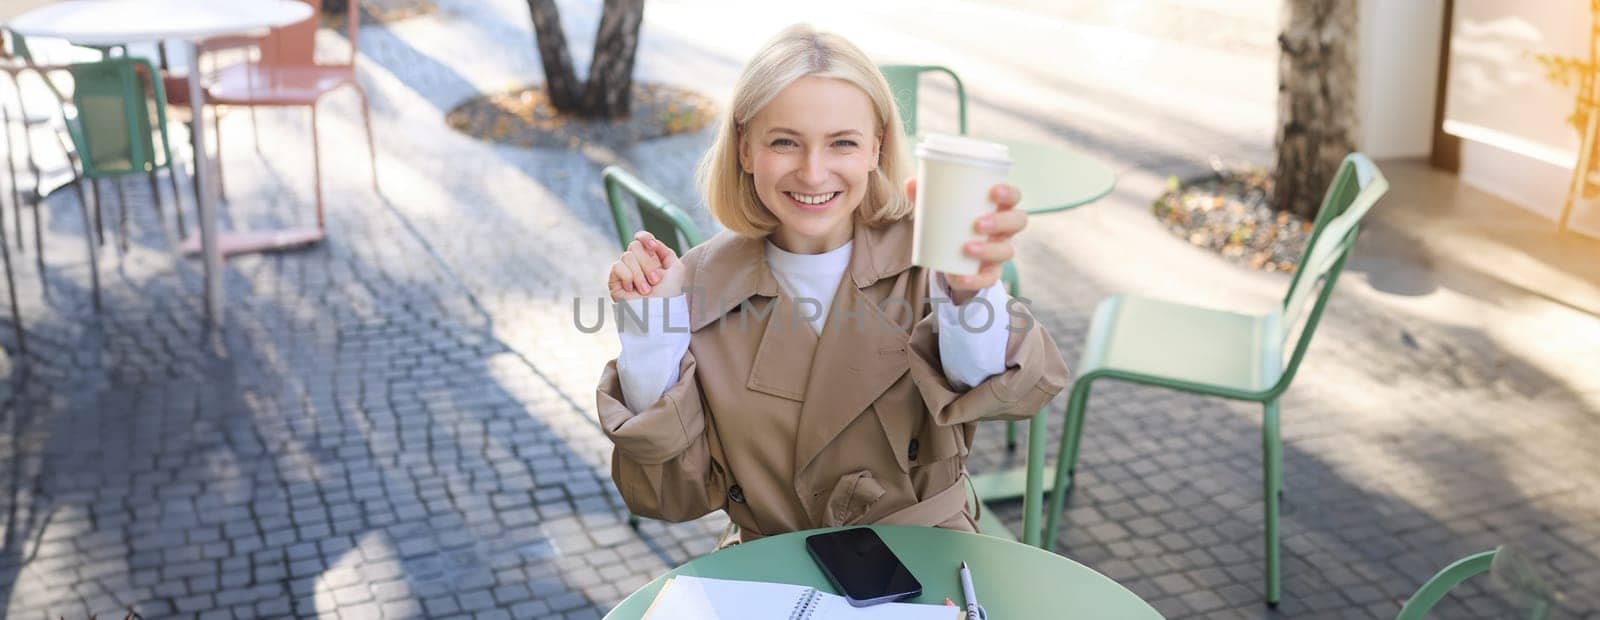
(1399, 68)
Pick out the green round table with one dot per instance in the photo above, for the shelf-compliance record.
(1013, 581)
(1054, 178)
(1051, 178)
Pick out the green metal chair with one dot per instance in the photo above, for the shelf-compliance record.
(1503, 564)
(904, 82)
(656, 214)
(111, 127)
(17, 60)
(1217, 353)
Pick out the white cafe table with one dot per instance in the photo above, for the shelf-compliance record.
(112, 22)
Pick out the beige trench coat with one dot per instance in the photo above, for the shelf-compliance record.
(788, 430)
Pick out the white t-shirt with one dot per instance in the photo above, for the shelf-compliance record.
(811, 277)
(648, 363)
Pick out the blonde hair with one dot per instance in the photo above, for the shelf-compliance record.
(801, 51)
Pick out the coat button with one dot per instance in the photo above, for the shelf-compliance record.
(911, 452)
(736, 494)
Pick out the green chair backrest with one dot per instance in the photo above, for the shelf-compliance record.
(656, 214)
(1508, 568)
(903, 83)
(1356, 187)
(112, 128)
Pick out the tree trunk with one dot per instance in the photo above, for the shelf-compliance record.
(1317, 117)
(611, 72)
(560, 82)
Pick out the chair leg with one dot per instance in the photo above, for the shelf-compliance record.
(122, 215)
(94, 265)
(633, 521)
(155, 197)
(99, 218)
(316, 165)
(11, 282)
(38, 177)
(1076, 435)
(372, 149)
(177, 196)
(1066, 459)
(38, 223)
(1272, 477)
(1011, 436)
(11, 166)
(1033, 491)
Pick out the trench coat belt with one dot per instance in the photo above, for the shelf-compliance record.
(934, 510)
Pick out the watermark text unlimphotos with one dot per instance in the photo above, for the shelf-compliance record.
(977, 315)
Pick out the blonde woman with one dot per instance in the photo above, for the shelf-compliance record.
(797, 371)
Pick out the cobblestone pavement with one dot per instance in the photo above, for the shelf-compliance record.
(398, 422)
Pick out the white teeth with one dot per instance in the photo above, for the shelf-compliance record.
(813, 199)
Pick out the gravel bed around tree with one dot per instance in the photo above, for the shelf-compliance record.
(1230, 212)
(526, 118)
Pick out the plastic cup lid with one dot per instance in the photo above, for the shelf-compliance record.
(961, 147)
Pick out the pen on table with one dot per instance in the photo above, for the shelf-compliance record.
(974, 610)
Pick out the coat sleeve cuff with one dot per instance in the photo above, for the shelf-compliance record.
(662, 430)
(1034, 373)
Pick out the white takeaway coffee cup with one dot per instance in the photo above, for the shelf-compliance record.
(954, 176)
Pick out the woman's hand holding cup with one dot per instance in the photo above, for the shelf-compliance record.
(996, 228)
(648, 268)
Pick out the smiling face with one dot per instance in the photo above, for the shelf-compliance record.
(811, 152)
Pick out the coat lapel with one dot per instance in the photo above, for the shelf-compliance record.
(858, 356)
(855, 362)
(782, 363)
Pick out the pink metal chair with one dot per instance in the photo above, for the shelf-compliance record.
(287, 75)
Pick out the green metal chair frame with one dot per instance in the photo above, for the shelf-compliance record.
(1176, 346)
(17, 59)
(111, 127)
(904, 83)
(656, 214)
(24, 61)
(1418, 606)
(1435, 589)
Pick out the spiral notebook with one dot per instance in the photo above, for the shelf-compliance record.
(701, 598)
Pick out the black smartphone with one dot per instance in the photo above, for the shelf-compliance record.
(862, 567)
